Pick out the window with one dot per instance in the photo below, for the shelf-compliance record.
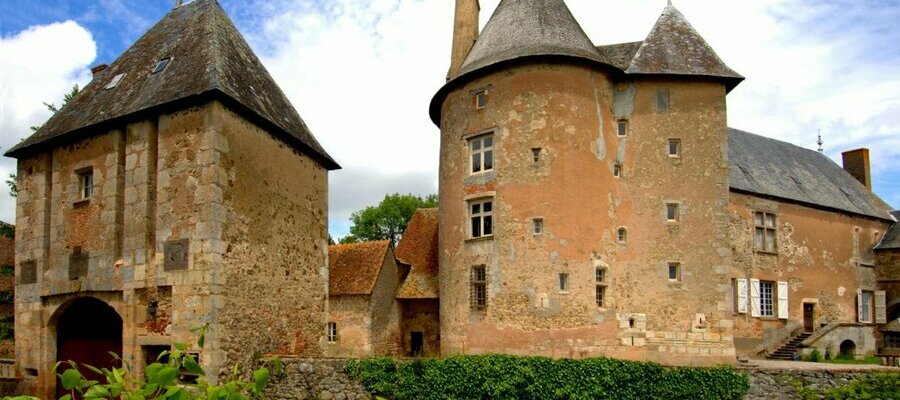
(767, 298)
(617, 170)
(536, 155)
(600, 281)
(332, 332)
(865, 306)
(674, 272)
(478, 290)
(564, 282)
(662, 100)
(622, 128)
(114, 81)
(674, 148)
(538, 225)
(673, 212)
(891, 339)
(85, 185)
(482, 149)
(765, 232)
(480, 99)
(161, 65)
(622, 235)
(481, 215)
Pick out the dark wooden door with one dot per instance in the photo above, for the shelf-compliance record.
(809, 317)
(87, 332)
(416, 343)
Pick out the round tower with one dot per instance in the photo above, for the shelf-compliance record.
(566, 195)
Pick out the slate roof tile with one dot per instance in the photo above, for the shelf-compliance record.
(891, 238)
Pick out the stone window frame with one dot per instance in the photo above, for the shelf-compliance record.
(478, 279)
(676, 267)
(673, 212)
(868, 307)
(479, 98)
(674, 147)
(536, 154)
(564, 283)
(484, 218)
(537, 226)
(482, 153)
(600, 285)
(768, 230)
(331, 332)
(618, 169)
(768, 299)
(85, 188)
(622, 126)
(622, 235)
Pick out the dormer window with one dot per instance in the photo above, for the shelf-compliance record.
(161, 65)
(115, 81)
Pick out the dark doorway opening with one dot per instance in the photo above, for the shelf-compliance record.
(416, 343)
(86, 333)
(848, 350)
(809, 317)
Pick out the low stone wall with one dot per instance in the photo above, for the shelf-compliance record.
(322, 379)
(793, 384)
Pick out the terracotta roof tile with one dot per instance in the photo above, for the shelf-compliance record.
(418, 248)
(354, 268)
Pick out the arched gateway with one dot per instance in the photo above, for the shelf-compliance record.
(87, 331)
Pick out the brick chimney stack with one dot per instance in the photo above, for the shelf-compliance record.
(856, 163)
(465, 32)
(98, 69)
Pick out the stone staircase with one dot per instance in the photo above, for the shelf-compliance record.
(786, 351)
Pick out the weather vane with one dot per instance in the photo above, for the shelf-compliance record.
(820, 142)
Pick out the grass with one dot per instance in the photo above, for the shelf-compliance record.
(867, 360)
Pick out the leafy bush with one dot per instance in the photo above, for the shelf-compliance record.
(161, 380)
(884, 385)
(814, 356)
(498, 377)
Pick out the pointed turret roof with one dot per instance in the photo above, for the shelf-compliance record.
(675, 48)
(522, 28)
(209, 60)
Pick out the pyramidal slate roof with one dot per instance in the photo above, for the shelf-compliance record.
(210, 59)
(673, 47)
(522, 28)
(891, 239)
(769, 167)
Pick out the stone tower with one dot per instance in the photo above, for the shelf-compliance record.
(179, 188)
(584, 192)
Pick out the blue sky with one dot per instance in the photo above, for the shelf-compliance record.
(828, 65)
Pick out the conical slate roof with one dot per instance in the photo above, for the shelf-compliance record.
(522, 28)
(675, 48)
(210, 60)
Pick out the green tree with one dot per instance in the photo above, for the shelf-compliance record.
(388, 219)
(12, 181)
(349, 239)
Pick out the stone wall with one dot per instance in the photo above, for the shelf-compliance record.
(789, 384)
(321, 379)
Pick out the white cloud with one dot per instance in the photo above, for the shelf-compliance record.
(37, 65)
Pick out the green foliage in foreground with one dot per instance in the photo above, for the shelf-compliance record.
(498, 377)
(161, 380)
(883, 385)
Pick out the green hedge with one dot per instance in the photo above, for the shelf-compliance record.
(497, 377)
(883, 385)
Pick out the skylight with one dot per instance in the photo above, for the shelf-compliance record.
(161, 65)
(115, 81)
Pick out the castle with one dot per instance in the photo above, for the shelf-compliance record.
(593, 202)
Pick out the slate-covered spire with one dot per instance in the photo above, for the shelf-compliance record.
(675, 48)
(522, 28)
(209, 59)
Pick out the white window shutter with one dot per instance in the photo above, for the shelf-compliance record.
(783, 300)
(742, 296)
(754, 297)
(859, 306)
(880, 307)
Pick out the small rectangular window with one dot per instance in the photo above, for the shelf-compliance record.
(564, 282)
(662, 100)
(765, 238)
(538, 225)
(767, 298)
(617, 170)
(674, 272)
(622, 235)
(114, 81)
(622, 128)
(481, 149)
(480, 99)
(478, 288)
(86, 185)
(160, 66)
(331, 332)
(600, 287)
(672, 212)
(865, 306)
(536, 155)
(481, 214)
(674, 148)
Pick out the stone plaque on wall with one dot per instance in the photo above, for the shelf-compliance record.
(78, 265)
(176, 253)
(27, 272)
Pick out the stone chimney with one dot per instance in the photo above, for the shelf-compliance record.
(465, 32)
(98, 69)
(856, 163)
